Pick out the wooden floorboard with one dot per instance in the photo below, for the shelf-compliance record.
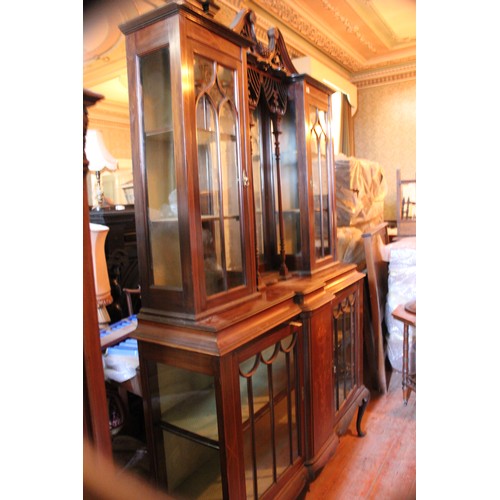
(381, 465)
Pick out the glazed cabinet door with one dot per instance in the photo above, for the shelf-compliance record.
(314, 129)
(271, 388)
(221, 178)
(347, 348)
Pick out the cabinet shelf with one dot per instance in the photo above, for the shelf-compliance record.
(209, 136)
(217, 217)
(179, 431)
(194, 416)
(157, 133)
(164, 219)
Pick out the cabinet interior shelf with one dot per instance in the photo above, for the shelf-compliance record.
(217, 217)
(165, 219)
(192, 436)
(157, 133)
(206, 137)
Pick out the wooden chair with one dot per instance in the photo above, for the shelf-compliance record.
(377, 275)
(406, 203)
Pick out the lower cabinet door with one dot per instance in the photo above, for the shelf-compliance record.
(271, 411)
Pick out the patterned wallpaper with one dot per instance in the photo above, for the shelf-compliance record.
(385, 132)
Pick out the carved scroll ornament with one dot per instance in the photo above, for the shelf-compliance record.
(268, 66)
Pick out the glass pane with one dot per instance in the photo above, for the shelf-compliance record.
(257, 180)
(188, 411)
(234, 263)
(229, 162)
(156, 90)
(289, 183)
(204, 74)
(320, 174)
(214, 276)
(269, 415)
(193, 470)
(160, 170)
(226, 83)
(231, 198)
(208, 171)
(344, 355)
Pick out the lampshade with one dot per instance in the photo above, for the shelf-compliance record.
(97, 155)
(98, 233)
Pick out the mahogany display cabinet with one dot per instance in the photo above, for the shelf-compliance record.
(250, 330)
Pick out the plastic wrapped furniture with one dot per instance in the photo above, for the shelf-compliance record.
(402, 288)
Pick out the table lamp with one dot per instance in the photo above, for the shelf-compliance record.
(98, 233)
(99, 158)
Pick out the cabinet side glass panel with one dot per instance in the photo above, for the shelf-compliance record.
(219, 174)
(160, 172)
(188, 419)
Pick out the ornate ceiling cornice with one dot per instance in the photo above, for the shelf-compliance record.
(348, 25)
(296, 21)
(385, 76)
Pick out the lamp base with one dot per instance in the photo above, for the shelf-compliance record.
(103, 317)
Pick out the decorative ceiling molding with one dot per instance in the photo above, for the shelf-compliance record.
(394, 37)
(297, 22)
(385, 76)
(353, 38)
(349, 27)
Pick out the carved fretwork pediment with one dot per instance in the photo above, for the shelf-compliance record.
(268, 66)
(275, 55)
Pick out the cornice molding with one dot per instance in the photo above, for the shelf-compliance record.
(385, 76)
(296, 21)
(349, 27)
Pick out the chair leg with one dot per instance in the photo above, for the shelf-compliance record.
(406, 389)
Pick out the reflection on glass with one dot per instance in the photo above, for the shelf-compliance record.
(160, 169)
(219, 175)
(186, 401)
(321, 181)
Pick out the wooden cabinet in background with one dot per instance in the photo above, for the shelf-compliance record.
(121, 257)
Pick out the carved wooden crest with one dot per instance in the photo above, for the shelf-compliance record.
(268, 66)
(275, 55)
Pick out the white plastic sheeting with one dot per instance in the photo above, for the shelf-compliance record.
(402, 288)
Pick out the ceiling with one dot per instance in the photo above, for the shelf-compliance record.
(356, 38)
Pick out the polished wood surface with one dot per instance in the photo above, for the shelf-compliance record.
(95, 408)
(382, 465)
